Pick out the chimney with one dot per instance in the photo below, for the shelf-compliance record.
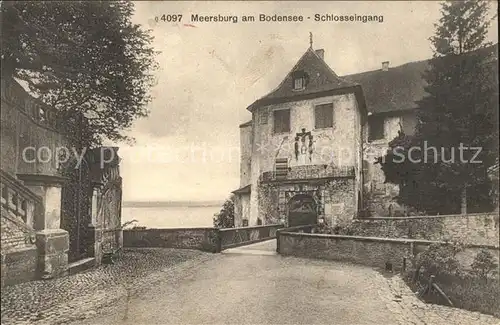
(385, 66)
(320, 53)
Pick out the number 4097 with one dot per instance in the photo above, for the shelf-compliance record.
(169, 18)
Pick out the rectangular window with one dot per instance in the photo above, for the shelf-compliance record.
(298, 83)
(323, 116)
(376, 128)
(281, 121)
(263, 115)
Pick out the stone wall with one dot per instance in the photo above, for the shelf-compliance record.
(478, 229)
(27, 122)
(190, 238)
(335, 199)
(246, 153)
(233, 237)
(244, 207)
(19, 257)
(379, 197)
(375, 252)
(370, 251)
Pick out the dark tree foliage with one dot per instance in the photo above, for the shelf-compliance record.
(461, 110)
(84, 58)
(225, 218)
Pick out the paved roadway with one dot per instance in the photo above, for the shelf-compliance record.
(253, 285)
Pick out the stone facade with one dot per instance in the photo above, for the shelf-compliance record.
(18, 250)
(346, 143)
(379, 197)
(34, 242)
(334, 198)
(31, 187)
(322, 161)
(369, 110)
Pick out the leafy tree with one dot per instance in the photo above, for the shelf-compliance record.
(84, 58)
(461, 110)
(225, 218)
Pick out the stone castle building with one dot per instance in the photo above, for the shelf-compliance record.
(309, 151)
(55, 219)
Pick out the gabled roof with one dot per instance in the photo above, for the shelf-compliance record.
(399, 88)
(321, 78)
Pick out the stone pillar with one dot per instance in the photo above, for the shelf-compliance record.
(95, 229)
(52, 242)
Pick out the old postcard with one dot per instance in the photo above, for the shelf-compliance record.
(246, 162)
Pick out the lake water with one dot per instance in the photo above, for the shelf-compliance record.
(170, 217)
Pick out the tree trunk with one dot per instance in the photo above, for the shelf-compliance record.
(463, 203)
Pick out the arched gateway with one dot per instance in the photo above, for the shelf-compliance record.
(302, 210)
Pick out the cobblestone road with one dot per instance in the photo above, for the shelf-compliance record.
(250, 285)
(253, 285)
(82, 295)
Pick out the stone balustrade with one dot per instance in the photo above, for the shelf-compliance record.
(32, 107)
(19, 200)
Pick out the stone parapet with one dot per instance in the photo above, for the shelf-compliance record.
(478, 229)
(19, 265)
(53, 246)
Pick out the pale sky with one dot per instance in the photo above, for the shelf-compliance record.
(211, 72)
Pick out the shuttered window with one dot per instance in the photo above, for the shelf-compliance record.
(298, 83)
(323, 116)
(281, 121)
(281, 167)
(376, 128)
(263, 114)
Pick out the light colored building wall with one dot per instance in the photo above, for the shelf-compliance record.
(245, 207)
(333, 146)
(338, 146)
(246, 154)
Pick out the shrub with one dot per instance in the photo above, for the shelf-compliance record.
(484, 264)
(225, 218)
(439, 259)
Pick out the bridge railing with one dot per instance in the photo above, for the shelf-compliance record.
(233, 237)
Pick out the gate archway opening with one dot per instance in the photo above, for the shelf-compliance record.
(302, 210)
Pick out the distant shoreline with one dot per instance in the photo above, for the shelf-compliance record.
(154, 204)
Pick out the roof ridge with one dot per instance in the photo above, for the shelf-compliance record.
(416, 61)
(332, 78)
(286, 76)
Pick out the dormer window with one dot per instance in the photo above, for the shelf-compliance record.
(298, 83)
(299, 80)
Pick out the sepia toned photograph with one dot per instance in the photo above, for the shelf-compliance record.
(249, 162)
